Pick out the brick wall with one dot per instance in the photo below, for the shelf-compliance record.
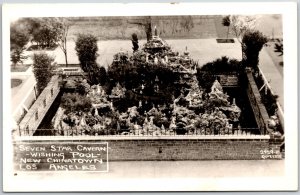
(259, 110)
(181, 147)
(188, 149)
(184, 149)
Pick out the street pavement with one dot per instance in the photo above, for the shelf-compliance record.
(201, 50)
(161, 175)
(20, 93)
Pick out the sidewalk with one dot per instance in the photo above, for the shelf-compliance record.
(201, 50)
(160, 175)
(273, 75)
(20, 94)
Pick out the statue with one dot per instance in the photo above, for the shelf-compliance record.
(173, 124)
(155, 60)
(273, 124)
(166, 59)
(96, 112)
(216, 86)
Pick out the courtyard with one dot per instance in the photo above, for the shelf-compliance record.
(164, 87)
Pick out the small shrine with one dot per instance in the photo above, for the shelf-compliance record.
(217, 95)
(117, 92)
(156, 45)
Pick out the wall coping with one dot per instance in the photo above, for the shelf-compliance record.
(110, 138)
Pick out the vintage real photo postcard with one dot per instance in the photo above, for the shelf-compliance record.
(150, 97)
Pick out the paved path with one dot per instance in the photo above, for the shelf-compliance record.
(160, 175)
(201, 50)
(272, 74)
(20, 93)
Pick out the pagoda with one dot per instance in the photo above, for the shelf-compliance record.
(117, 92)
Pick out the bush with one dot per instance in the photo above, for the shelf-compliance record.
(86, 48)
(74, 102)
(222, 65)
(253, 42)
(42, 69)
(206, 74)
(135, 42)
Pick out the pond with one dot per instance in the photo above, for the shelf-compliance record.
(246, 120)
(153, 92)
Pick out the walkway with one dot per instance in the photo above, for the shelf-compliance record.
(161, 175)
(21, 93)
(271, 72)
(201, 50)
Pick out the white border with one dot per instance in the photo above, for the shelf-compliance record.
(289, 12)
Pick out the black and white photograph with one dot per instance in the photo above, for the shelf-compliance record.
(150, 97)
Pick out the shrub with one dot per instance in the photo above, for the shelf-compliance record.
(135, 42)
(226, 22)
(206, 74)
(74, 102)
(86, 48)
(253, 42)
(42, 69)
(222, 65)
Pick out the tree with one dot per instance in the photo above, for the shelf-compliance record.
(102, 76)
(18, 41)
(42, 69)
(135, 42)
(16, 55)
(86, 48)
(226, 22)
(240, 26)
(253, 41)
(148, 27)
(65, 25)
(45, 31)
(146, 23)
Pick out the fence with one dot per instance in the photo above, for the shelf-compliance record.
(70, 71)
(140, 132)
(144, 148)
